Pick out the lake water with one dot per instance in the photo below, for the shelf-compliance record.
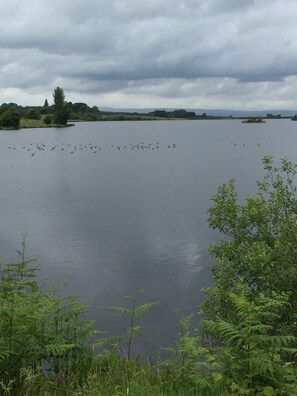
(114, 207)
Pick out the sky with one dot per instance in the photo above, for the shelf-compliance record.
(208, 54)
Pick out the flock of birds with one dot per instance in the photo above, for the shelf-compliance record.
(32, 149)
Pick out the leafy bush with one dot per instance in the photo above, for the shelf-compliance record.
(48, 119)
(10, 118)
(33, 114)
(260, 249)
(250, 312)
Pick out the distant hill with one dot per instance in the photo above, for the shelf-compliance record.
(210, 112)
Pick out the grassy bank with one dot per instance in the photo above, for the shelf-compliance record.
(28, 123)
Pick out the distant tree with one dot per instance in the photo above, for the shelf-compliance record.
(6, 106)
(80, 108)
(59, 98)
(95, 109)
(45, 103)
(61, 110)
(180, 113)
(33, 114)
(159, 113)
(48, 119)
(10, 119)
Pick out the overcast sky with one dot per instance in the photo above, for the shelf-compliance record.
(230, 54)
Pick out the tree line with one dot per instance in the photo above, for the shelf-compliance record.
(58, 113)
(180, 113)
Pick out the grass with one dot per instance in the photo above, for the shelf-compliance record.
(28, 123)
(109, 376)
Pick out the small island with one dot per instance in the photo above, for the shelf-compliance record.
(253, 121)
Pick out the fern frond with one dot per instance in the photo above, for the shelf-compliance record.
(143, 309)
(58, 350)
(112, 341)
(119, 310)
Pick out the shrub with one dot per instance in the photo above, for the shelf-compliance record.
(10, 119)
(48, 119)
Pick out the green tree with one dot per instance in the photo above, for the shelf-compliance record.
(60, 105)
(48, 119)
(249, 327)
(59, 98)
(260, 249)
(45, 103)
(34, 114)
(10, 118)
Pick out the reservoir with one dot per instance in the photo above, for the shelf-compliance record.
(114, 207)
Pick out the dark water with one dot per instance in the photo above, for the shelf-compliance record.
(111, 220)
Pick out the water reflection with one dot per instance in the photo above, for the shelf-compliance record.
(111, 208)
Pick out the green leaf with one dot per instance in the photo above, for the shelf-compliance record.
(268, 391)
(217, 376)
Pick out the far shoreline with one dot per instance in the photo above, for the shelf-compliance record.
(246, 120)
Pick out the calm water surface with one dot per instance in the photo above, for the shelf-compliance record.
(110, 217)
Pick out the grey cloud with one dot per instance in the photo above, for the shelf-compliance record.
(229, 6)
(102, 45)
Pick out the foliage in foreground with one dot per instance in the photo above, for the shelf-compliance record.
(251, 309)
(39, 331)
(248, 342)
(261, 245)
(48, 348)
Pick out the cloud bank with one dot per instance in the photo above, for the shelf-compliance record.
(192, 53)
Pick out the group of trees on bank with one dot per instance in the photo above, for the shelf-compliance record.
(58, 113)
(62, 111)
(174, 114)
(10, 116)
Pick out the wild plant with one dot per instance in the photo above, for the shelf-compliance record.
(185, 348)
(246, 357)
(132, 313)
(40, 330)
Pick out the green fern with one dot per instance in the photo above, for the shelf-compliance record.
(132, 313)
(249, 355)
(38, 328)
